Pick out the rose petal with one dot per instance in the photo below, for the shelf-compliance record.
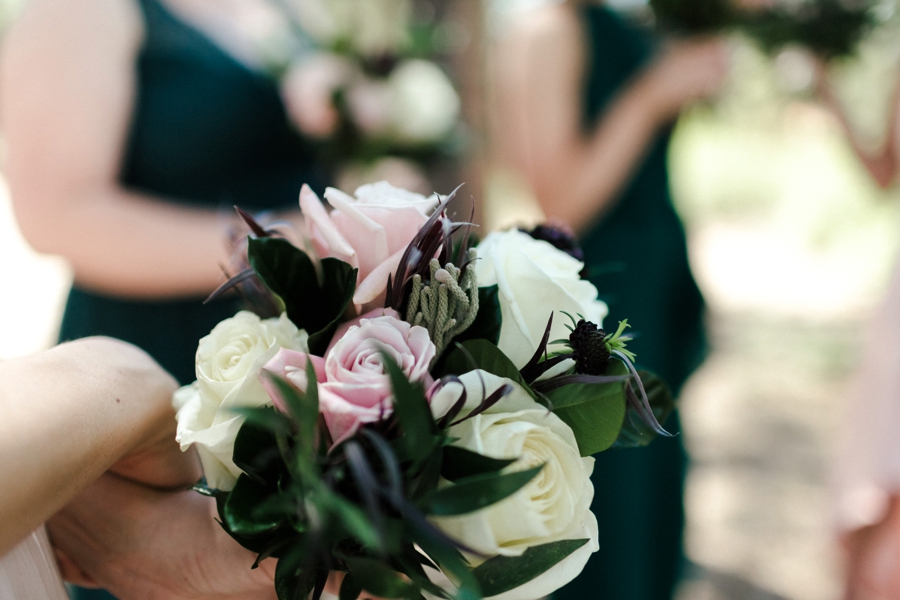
(343, 418)
(289, 364)
(359, 228)
(373, 288)
(334, 243)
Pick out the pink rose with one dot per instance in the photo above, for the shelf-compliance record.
(353, 386)
(370, 104)
(307, 90)
(370, 232)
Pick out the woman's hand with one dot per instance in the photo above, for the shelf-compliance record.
(146, 544)
(685, 72)
(153, 458)
(140, 543)
(873, 559)
(73, 412)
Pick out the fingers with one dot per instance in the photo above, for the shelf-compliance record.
(71, 572)
(161, 464)
(873, 562)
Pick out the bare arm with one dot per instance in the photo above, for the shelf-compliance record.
(882, 165)
(577, 176)
(66, 93)
(69, 414)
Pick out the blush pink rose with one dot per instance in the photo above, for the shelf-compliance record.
(353, 386)
(370, 232)
(308, 89)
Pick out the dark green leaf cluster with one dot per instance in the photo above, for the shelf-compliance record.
(693, 16)
(594, 407)
(315, 296)
(362, 507)
(828, 28)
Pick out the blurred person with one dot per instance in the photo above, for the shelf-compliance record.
(866, 477)
(88, 437)
(132, 128)
(587, 103)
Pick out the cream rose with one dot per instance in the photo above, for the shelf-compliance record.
(534, 278)
(370, 232)
(554, 506)
(425, 107)
(228, 363)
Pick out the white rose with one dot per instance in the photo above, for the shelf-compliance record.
(554, 506)
(374, 27)
(425, 105)
(228, 363)
(534, 278)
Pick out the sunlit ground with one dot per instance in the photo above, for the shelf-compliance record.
(792, 247)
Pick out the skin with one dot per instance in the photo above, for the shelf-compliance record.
(576, 176)
(67, 89)
(92, 431)
(872, 554)
(97, 400)
(139, 543)
(872, 559)
(884, 164)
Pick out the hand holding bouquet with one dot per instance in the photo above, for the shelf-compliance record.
(422, 413)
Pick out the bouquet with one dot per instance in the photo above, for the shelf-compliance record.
(370, 91)
(421, 410)
(827, 28)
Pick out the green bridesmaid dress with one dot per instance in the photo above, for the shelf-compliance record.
(637, 258)
(206, 131)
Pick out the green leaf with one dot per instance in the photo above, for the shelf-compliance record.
(353, 519)
(635, 432)
(291, 274)
(264, 417)
(411, 408)
(451, 562)
(503, 573)
(459, 463)
(412, 567)
(377, 578)
(240, 508)
(293, 583)
(487, 324)
(350, 590)
(256, 452)
(595, 412)
(474, 493)
(424, 474)
(486, 357)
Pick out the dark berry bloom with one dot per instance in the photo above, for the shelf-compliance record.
(559, 238)
(589, 348)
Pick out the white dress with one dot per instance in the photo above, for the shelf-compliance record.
(29, 571)
(867, 468)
